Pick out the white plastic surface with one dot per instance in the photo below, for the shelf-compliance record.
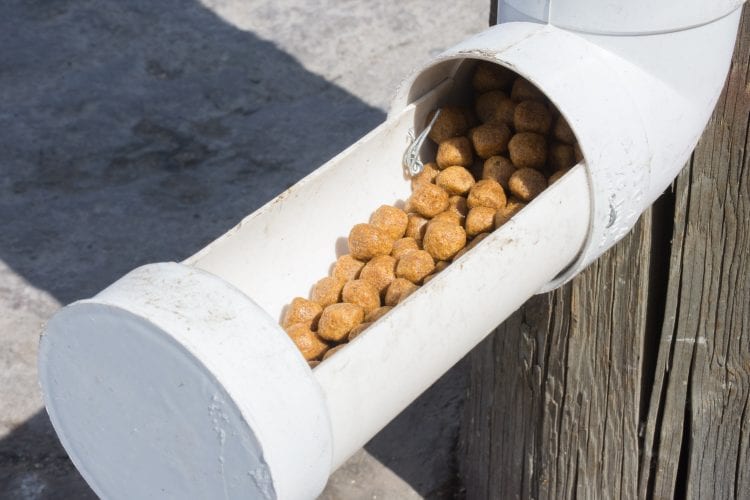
(385, 368)
(637, 104)
(631, 17)
(172, 384)
(366, 384)
(177, 380)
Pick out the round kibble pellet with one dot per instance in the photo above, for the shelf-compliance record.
(449, 216)
(362, 293)
(556, 176)
(488, 76)
(498, 168)
(357, 330)
(455, 180)
(528, 150)
(398, 291)
(443, 239)
(504, 214)
(391, 220)
(490, 139)
(523, 90)
(414, 266)
(338, 320)
(488, 103)
(426, 176)
(333, 350)
(377, 314)
(532, 116)
(561, 156)
(504, 112)
(527, 183)
(480, 220)
(427, 200)
(347, 268)
(457, 205)
(380, 271)
(403, 246)
(452, 122)
(327, 291)
(367, 241)
(302, 311)
(416, 227)
(307, 341)
(454, 152)
(486, 193)
(562, 131)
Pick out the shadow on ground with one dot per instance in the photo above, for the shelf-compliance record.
(136, 132)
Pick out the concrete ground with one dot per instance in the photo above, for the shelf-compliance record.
(135, 132)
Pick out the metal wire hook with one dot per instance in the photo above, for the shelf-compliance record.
(411, 160)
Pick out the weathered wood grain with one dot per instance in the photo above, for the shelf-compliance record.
(698, 427)
(553, 404)
(633, 381)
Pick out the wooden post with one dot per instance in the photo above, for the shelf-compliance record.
(633, 381)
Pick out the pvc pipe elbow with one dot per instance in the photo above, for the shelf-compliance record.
(632, 17)
(637, 105)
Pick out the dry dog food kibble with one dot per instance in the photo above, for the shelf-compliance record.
(415, 265)
(302, 311)
(307, 341)
(327, 291)
(338, 320)
(443, 239)
(455, 152)
(398, 291)
(390, 220)
(347, 268)
(528, 150)
(493, 157)
(426, 176)
(486, 193)
(403, 246)
(498, 168)
(527, 183)
(450, 123)
(449, 216)
(367, 241)
(480, 220)
(416, 227)
(490, 139)
(455, 180)
(362, 293)
(532, 116)
(380, 271)
(428, 200)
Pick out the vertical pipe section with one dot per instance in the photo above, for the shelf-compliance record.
(383, 370)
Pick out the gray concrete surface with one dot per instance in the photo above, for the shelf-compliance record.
(134, 132)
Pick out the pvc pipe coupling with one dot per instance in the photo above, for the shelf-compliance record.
(177, 382)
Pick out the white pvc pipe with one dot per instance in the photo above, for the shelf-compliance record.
(400, 356)
(185, 364)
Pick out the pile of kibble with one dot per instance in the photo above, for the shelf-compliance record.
(514, 142)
